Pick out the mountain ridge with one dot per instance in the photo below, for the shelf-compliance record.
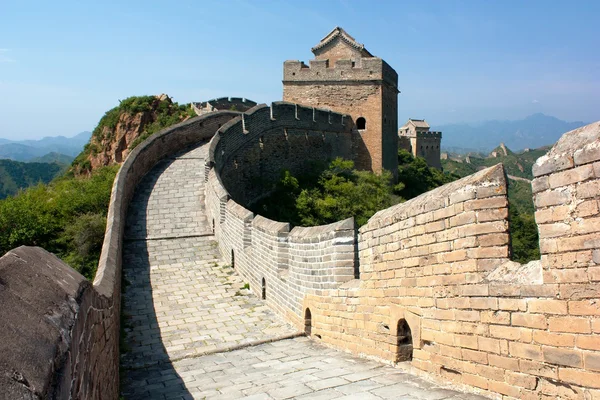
(534, 131)
(26, 150)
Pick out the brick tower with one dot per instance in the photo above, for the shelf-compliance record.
(346, 78)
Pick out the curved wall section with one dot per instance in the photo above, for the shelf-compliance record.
(250, 152)
(245, 158)
(70, 322)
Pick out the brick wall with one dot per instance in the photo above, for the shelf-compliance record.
(436, 283)
(292, 263)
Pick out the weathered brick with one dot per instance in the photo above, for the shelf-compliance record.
(587, 208)
(547, 306)
(475, 380)
(553, 198)
(579, 377)
(495, 317)
(489, 345)
(584, 307)
(529, 320)
(588, 189)
(540, 184)
(522, 380)
(562, 356)
(492, 214)
(554, 229)
(554, 339)
(571, 176)
(508, 363)
(569, 324)
(492, 202)
(523, 350)
(538, 369)
(469, 342)
(512, 304)
(504, 388)
(592, 361)
(488, 252)
(588, 342)
(511, 333)
(474, 356)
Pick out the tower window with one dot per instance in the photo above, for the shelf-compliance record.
(361, 123)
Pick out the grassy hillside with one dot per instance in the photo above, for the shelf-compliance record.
(15, 175)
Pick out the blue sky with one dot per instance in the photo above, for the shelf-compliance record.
(64, 63)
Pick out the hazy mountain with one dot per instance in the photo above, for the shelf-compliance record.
(535, 131)
(26, 150)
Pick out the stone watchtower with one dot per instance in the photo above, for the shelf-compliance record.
(346, 78)
(415, 137)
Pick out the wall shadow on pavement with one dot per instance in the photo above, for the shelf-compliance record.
(146, 370)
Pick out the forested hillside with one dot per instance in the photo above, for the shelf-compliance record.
(15, 175)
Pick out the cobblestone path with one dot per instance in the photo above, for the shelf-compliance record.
(185, 312)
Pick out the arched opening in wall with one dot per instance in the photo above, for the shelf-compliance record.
(307, 322)
(404, 338)
(213, 226)
(264, 289)
(361, 123)
(232, 259)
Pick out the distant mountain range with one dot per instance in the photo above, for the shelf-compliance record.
(534, 131)
(28, 150)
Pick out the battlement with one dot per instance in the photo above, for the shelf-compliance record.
(365, 69)
(250, 151)
(429, 135)
(223, 103)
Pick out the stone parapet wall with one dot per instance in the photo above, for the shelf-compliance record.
(250, 152)
(292, 263)
(367, 69)
(440, 264)
(431, 279)
(83, 349)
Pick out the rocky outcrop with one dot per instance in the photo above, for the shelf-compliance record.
(127, 125)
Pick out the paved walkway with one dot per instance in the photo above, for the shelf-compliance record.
(184, 311)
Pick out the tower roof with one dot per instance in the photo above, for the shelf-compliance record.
(418, 123)
(338, 32)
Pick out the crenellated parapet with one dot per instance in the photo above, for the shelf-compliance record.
(251, 150)
(429, 135)
(223, 103)
(367, 70)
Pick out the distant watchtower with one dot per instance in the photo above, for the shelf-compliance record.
(415, 137)
(346, 78)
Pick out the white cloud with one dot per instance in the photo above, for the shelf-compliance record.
(535, 101)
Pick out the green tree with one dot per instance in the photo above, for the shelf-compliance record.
(416, 177)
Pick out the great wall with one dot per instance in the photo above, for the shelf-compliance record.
(427, 284)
